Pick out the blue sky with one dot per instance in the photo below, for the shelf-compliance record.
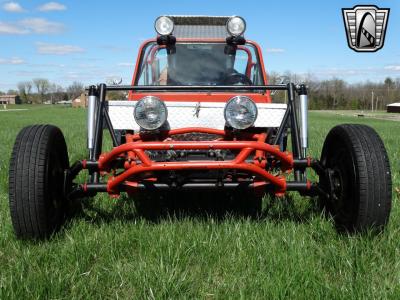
(91, 41)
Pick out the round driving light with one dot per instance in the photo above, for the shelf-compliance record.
(164, 25)
(236, 26)
(150, 113)
(240, 112)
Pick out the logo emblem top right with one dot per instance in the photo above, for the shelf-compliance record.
(365, 27)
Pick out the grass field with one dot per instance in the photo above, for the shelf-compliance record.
(111, 252)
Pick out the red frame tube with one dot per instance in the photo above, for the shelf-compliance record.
(278, 181)
(199, 96)
(105, 159)
(135, 150)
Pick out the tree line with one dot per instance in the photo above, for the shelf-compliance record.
(40, 90)
(336, 93)
(332, 93)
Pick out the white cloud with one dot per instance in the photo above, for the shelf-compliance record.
(114, 48)
(47, 65)
(52, 6)
(12, 61)
(10, 28)
(13, 7)
(339, 72)
(30, 26)
(275, 50)
(393, 68)
(40, 25)
(55, 49)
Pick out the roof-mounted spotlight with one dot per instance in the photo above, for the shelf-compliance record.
(236, 26)
(164, 25)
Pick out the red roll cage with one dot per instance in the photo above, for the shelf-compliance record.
(208, 96)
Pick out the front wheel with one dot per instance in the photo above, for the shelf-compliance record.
(357, 179)
(38, 161)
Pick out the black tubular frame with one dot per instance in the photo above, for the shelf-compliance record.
(289, 120)
(199, 88)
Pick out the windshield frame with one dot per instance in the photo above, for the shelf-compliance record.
(142, 53)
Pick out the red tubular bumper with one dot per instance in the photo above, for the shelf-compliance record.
(135, 148)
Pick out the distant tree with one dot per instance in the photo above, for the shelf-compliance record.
(12, 92)
(273, 78)
(42, 86)
(117, 95)
(389, 82)
(56, 93)
(25, 90)
(75, 89)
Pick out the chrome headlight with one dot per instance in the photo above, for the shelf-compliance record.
(236, 26)
(150, 113)
(164, 25)
(240, 112)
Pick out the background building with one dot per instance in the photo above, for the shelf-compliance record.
(393, 108)
(10, 99)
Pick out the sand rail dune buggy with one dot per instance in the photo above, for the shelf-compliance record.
(199, 118)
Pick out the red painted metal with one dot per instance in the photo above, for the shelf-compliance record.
(285, 157)
(151, 55)
(200, 96)
(259, 158)
(278, 181)
(135, 148)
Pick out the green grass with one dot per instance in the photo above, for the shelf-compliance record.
(111, 252)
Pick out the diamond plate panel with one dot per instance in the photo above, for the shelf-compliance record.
(183, 114)
(200, 31)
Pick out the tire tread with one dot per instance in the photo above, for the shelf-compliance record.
(373, 177)
(28, 193)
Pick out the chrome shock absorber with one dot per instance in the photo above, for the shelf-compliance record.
(302, 91)
(91, 119)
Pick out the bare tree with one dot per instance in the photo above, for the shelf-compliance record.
(56, 92)
(75, 89)
(25, 89)
(42, 86)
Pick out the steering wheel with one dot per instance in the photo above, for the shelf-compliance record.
(236, 78)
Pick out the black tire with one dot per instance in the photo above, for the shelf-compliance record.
(359, 178)
(37, 203)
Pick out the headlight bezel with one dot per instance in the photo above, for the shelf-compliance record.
(163, 116)
(233, 101)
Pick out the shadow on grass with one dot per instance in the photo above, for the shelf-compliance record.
(290, 208)
(101, 211)
(156, 207)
